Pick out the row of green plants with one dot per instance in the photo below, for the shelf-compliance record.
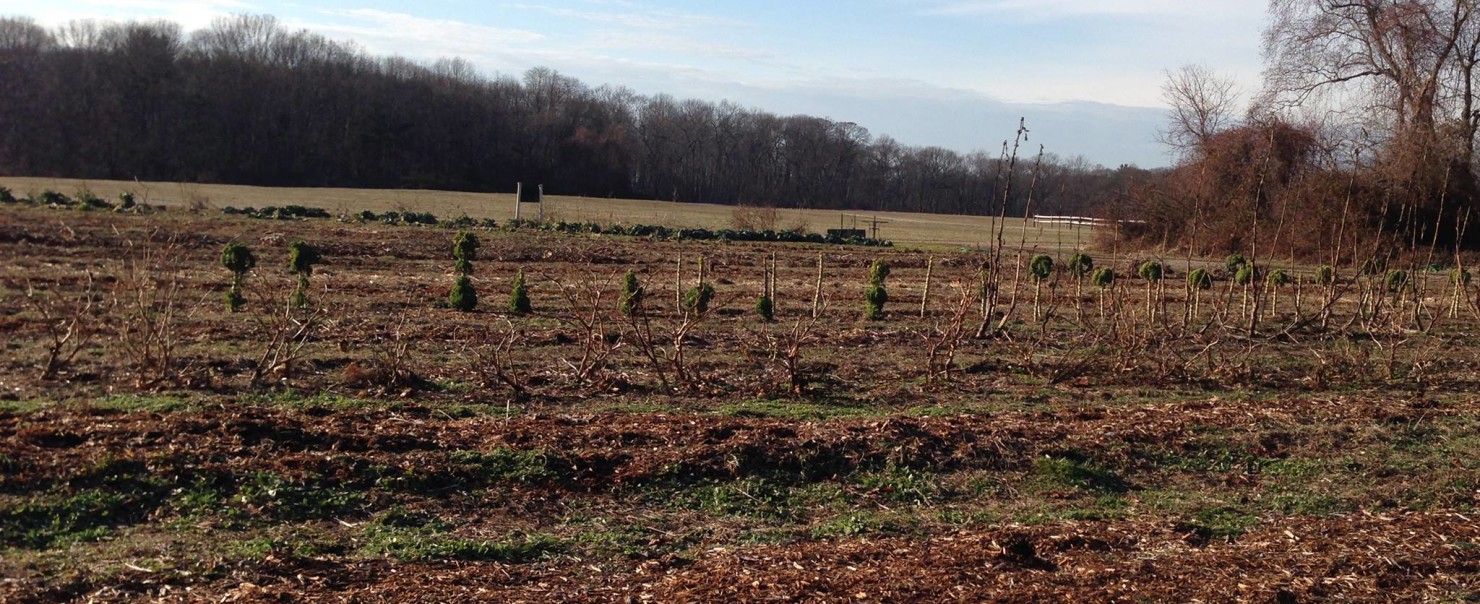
(297, 212)
(87, 201)
(238, 259)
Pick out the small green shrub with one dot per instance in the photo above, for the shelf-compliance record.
(1244, 275)
(698, 298)
(1277, 278)
(1080, 264)
(1396, 280)
(877, 295)
(1325, 274)
(1233, 262)
(1040, 267)
(765, 307)
(519, 296)
(463, 296)
(1199, 279)
(301, 259)
(1150, 270)
(630, 300)
(238, 259)
(1103, 276)
(1459, 276)
(465, 246)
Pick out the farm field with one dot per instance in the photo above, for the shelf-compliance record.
(905, 229)
(1133, 442)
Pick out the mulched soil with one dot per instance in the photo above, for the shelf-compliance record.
(1395, 556)
(1401, 558)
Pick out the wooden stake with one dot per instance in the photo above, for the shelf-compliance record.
(771, 282)
(817, 297)
(925, 296)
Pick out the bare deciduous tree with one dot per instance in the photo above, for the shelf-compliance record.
(1202, 103)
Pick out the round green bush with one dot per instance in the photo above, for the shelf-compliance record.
(1199, 279)
(1103, 276)
(302, 257)
(238, 258)
(1040, 267)
(1244, 275)
(698, 298)
(1459, 276)
(1150, 270)
(1233, 262)
(465, 246)
(1081, 264)
(765, 307)
(1277, 278)
(463, 296)
(1325, 274)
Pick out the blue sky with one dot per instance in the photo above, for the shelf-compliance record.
(953, 73)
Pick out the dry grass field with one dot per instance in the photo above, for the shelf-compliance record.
(1139, 442)
(906, 229)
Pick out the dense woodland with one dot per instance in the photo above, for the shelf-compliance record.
(246, 101)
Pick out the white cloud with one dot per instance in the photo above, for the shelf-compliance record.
(420, 30)
(1061, 9)
(634, 16)
(672, 44)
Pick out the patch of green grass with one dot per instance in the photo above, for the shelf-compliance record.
(274, 496)
(1223, 522)
(293, 399)
(1103, 507)
(1296, 468)
(1310, 504)
(853, 524)
(1209, 454)
(298, 544)
(25, 407)
(197, 500)
(1073, 471)
(138, 403)
(626, 541)
(510, 466)
(752, 497)
(906, 486)
(965, 517)
(428, 543)
(85, 516)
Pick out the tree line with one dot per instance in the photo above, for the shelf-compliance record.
(247, 101)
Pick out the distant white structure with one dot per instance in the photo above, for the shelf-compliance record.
(1080, 221)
